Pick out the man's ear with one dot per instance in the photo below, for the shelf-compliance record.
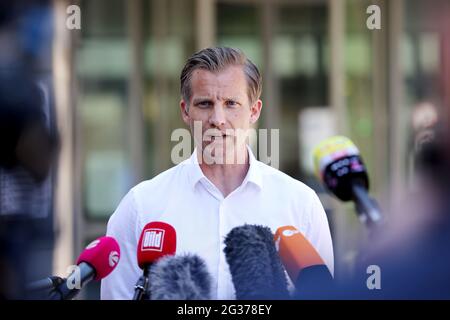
(255, 111)
(184, 107)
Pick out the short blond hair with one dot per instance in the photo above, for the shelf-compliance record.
(217, 59)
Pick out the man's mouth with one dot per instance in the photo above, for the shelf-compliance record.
(218, 137)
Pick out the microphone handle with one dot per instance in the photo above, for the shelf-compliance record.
(74, 282)
(314, 282)
(141, 287)
(45, 284)
(365, 205)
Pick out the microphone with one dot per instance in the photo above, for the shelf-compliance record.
(303, 264)
(45, 284)
(184, 277)
(157, 240)
(256, 270)
(96, 262)
(339, 166)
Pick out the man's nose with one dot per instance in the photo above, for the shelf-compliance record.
(217, 117)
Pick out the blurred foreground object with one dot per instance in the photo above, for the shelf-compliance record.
(27, 152)
(411, 252)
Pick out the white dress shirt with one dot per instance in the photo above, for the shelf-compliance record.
(183, 197)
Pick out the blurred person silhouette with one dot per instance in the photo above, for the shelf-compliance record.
(27, 151)
(411, 251)
(28, 144)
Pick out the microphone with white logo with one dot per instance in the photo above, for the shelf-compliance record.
(157, 240)
(97, 261)
(305, 267)
(183, 277)
(255, 267)
(340, 167)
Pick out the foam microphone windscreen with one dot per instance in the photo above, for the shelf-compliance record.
(256, 269)
(183, 277)
(157, 240)
(102, 254)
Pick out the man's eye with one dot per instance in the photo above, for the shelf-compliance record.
(204, 104)
(232, 103)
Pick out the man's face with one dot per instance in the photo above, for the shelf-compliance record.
(220, 102)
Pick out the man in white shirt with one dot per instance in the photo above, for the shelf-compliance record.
(221, 186)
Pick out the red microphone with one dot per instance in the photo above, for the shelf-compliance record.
(103, 255)
(158, 239)
(98, 260)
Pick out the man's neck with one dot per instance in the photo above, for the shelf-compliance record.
(226, 177)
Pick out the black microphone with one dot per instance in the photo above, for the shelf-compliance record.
(44, 284)
(71, 286)
(342, 170)
(183, 277)
(255, 266)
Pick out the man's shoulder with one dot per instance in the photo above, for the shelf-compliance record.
(162, 180)
(282, 180)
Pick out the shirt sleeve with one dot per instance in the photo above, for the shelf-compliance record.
(318, 232)
(123, 226)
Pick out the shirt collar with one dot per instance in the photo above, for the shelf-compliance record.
(253, 175)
